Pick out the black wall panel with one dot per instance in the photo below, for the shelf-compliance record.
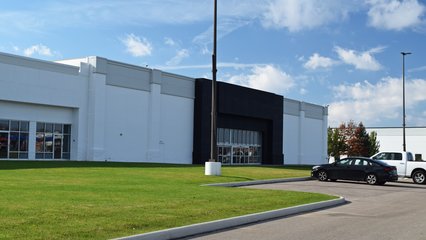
(238, 108)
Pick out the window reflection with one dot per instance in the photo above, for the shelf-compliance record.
(236, 146)
(14, 139)
(53, 141)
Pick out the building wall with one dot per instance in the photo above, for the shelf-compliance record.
(177, 124)
(149, 114)
(390, 139)
(126, 125)
(123, 112)
(242, 109)
(291, 140)
(118, 112)
(40, 91)
(304, 133)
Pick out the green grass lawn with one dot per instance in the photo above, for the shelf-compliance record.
(89, 200)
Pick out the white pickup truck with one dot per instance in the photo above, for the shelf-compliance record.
(405, 164)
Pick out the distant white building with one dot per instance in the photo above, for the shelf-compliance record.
(390, 139)
(96, 109)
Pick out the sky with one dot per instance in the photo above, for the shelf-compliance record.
(342, 54)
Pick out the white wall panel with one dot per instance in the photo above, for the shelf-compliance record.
(291, 139)
(42, 87)
(390, 139)
(126, 130)
(303, 142)
(35, 112)
(177, 123)
(128, 76)
(312, 144)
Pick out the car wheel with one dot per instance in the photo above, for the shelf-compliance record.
(322, 175)
(371, 179)
(419, 177)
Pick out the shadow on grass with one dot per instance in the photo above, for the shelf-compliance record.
(292, 167)
(39, 164)
(14, 165)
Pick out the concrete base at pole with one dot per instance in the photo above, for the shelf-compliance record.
(213, 169)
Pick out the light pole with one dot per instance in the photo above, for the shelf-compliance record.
(404, 147)
(213, 139)
(212, 167)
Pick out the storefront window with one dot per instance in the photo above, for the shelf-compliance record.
(237, 146)
(14, 139)
(53, 141)
(4, 125)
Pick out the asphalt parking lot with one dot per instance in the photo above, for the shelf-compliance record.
(393, 211)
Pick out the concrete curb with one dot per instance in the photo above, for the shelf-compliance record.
(206, 227)
(258, 182)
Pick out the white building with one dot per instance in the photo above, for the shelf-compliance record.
(95, 109)
(390, 139)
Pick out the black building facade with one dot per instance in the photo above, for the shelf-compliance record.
(249, 123)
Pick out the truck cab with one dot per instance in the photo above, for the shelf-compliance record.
(405, 164)
(397, 159)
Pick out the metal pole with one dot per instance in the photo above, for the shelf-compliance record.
(213, 139)
(404, 147)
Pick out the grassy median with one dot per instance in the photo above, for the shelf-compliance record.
(87, 200)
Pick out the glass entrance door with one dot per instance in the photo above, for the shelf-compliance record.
(57, 150)
(224, 154)
(237, 155)
(4, 143)
(236, 146)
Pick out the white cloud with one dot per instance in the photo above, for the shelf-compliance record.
(137, 47)
(361, 60)
(395, 14)
(316, 61)
(169, 41)
(375, 103)
(55, 14)
(418, 69)
(267, 78)
(418, 120)
(39, 49)
(209, 66)
(180, 55)
(296, 15)
(225, 26)
(12, 22)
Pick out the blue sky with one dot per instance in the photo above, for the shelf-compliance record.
(345, 54)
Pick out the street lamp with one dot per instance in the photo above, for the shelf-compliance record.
(403, 100)
(213, 138)
(213, 167)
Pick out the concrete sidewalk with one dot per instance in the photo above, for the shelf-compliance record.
(258, 182)
(206, 227)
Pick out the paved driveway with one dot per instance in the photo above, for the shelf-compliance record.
(394, 211)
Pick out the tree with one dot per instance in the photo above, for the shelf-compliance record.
(358, 142)
(353, 140)
(374, 144)
(336, 143)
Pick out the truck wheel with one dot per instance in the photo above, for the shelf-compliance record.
(419, 177)
(322, 175)
(371, 179)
